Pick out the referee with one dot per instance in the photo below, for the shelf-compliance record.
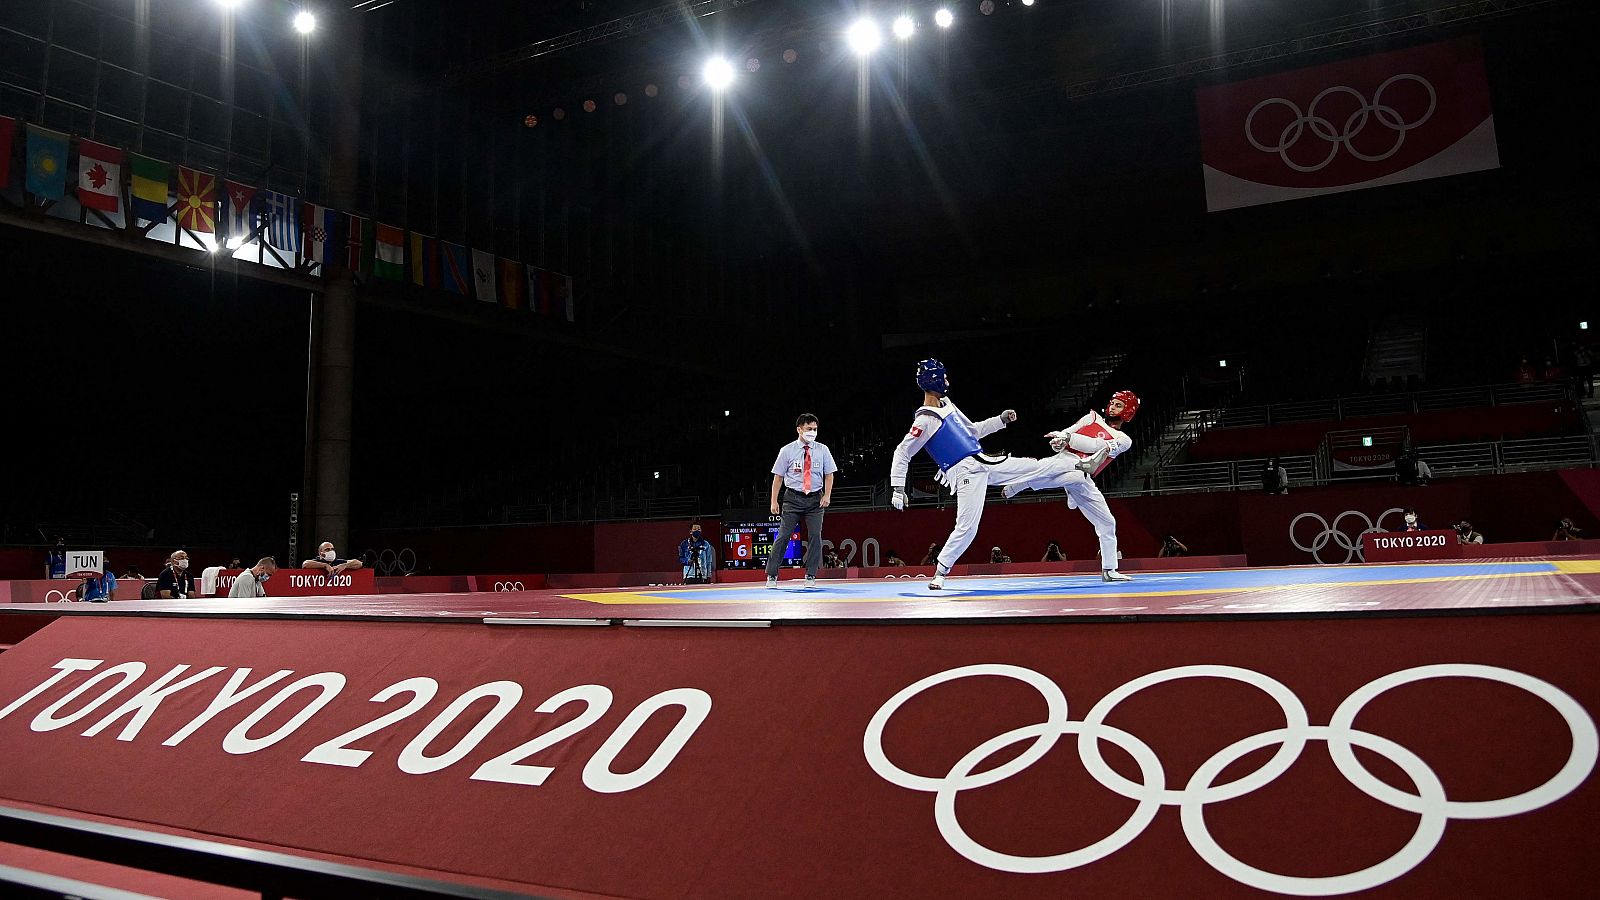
(805, 468)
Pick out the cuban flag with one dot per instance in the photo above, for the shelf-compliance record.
(240, 214)
(321, 227)
(280, 220)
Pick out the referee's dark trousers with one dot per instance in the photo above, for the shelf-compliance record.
(797, 506)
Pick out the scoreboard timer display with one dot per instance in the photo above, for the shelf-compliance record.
(746, 545)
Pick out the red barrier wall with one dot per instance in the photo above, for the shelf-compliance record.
(1441, 427)
(1521, 507)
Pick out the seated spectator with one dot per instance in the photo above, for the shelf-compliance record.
(996, 555)
(1465, 533)
(1052, 552)
(1566, 530)
(894, 561)
(133, 572)
(1424, 471)
(329, 561)
(1552, 371)
(1274, 477)
(1410, 522)
(1171, 546)
(1526, 374)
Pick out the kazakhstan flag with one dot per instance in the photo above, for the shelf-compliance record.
(47, 163)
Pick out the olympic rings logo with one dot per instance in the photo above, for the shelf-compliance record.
(1334, 533)
(57, 596)
(1354, 124)
(501, 586)
(1151, 791)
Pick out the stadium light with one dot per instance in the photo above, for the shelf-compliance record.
(1222, 364)
(305, 22)
(726, 413)
(718, 73)
(944, 18)
(904, 28)
(1027, 2)
(1583, 326)
(864, 37)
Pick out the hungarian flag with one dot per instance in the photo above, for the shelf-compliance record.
(280, 220)
(240, 216)
(99, 176)
(389, 261)
(424, 261)
(358, 244)
(197, 201)
(483, 275)
(456, 269)
(511, 287)
(321, 225)
(47, 163)
(151, 182)
(8, 128)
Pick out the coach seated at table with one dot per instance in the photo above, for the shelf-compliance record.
(328, 561)
(252, 582)
(1409, 521)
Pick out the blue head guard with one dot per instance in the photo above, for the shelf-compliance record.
(931, 376)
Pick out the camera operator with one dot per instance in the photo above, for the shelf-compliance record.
(694, 554)
(1466, 535)
(996, 555)
(1171, 546)
(1567, 530)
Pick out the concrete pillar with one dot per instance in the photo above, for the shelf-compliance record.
(333, 318)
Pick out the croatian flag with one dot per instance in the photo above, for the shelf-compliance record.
(320, 227)
(280, 216)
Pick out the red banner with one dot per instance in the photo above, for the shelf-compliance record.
(871, 761)
(1383, 119)
(306, 583)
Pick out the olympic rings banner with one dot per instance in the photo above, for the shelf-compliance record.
(1393, 117)
(1423, 757)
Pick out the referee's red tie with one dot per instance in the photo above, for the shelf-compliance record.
(805, 480)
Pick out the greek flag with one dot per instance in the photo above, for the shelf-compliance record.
(280, 216)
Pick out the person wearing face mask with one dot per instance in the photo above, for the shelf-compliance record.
(1410, 522)
(328, 560)
(252, 582)
(175, 582)
(802, 487)
(694, 554)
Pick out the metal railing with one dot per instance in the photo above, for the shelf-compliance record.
(1391, 404)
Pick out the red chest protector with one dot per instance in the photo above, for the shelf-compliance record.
(1095, 430)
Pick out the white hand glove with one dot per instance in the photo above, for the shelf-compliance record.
(898, 499)
(1008, 416)
(1058, 440)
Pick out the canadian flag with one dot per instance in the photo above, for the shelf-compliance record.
(99, 176)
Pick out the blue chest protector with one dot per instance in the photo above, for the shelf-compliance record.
(953, 442)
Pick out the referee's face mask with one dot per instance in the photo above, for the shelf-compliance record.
(808, 431)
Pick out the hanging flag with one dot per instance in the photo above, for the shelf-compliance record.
(321, 226)
(240, 217)
(563, 300)
(8, 128)
(280, 220)
(358, 245)
(197, 201)
(511, 286)
(151, 184)
(483, 275)
(424, 260)
(47, 163)
(389, 260)
(99, 176)
(456, 268)
(536, 290)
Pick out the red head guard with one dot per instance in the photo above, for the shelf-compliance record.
(1130, 404)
